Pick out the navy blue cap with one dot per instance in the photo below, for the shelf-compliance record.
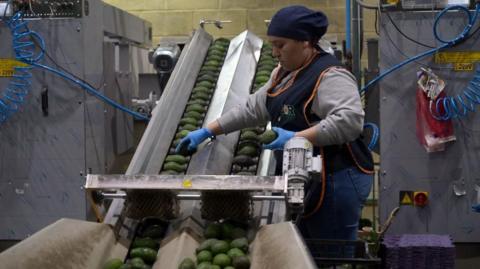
(299, 23)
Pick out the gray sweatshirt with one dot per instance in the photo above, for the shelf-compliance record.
(337, 103)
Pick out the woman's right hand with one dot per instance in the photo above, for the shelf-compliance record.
(193, 139)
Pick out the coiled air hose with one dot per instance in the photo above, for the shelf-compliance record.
(29, 48)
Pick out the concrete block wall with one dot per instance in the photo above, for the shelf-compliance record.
(178, 18)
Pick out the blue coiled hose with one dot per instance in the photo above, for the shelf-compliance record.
(446, 43)
(24, 48)
(458, 106)
(25, 51)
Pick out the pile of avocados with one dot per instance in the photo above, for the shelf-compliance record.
(249, 146)
(225, 247)
(143, 250)
(197, 106)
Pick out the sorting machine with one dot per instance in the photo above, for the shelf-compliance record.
(229, 177)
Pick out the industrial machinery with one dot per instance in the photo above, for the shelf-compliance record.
(57, 132)
(228, 178)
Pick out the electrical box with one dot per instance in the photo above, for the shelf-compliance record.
(45, 9)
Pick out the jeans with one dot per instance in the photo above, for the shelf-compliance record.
(345, 194)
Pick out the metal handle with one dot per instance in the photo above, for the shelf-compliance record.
(180, 196)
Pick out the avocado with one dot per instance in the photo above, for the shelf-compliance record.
(207, 72)
(113, 264)
(187, 263)
(196, 107)
(203, 89)
(204, 265)
(261, 79)
(194, 114)
(216, 52)
(181, 134)
(147, 254)
(206, 245)
(177, 159)
(187, 120)
(201, 95)
(244, 160)
(241, 262)
(235, 252)
(220, 246)
(209, 68)
(222, 260)
(137, 263)
(250, 135)
(169, 172)
(215, 57)
(267, 137)
(240, 243)
(205, 84)
(213, 230)
(211, 63)
(204, 256)
(175, 167)
(222, 40)
(197, 101)
(248, 150)
(189, 127)
(239, 232)
(154, 231)
(146, 242)
(227, 229)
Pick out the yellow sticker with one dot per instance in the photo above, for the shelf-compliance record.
(187, 183)
(407, 200)
(451, 57)
(7, 66)
(463, 67)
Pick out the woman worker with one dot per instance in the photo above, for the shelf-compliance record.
(312, 96)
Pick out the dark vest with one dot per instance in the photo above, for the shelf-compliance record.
(290, 109)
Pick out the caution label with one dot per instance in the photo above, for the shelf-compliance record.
(7, 66)
(406, 198)
(452, 57)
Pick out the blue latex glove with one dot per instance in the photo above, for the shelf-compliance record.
(193, 139)
(476, 208)
(282, 137)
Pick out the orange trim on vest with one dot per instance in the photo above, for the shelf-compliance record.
(366, 171)
(322, 193)
(314, 92)
(289, 82)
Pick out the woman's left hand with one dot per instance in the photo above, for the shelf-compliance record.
(282, 137)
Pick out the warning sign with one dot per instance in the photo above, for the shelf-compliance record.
(7, 67)
(447, 57)
(406, 197)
